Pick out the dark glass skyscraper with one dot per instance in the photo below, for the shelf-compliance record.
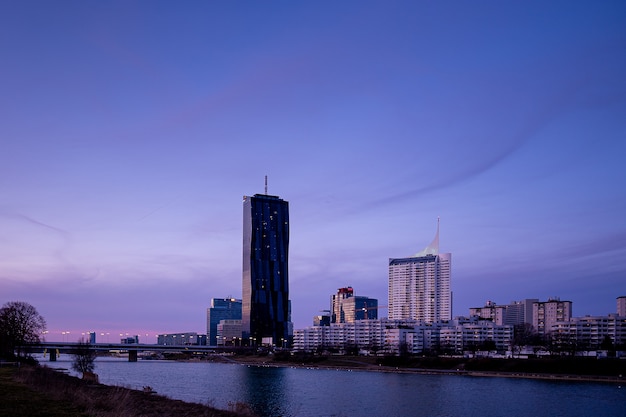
(265, 302)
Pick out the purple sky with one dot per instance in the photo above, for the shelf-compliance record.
(131, 130)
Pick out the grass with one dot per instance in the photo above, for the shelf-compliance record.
(41, 391)
(18, 400)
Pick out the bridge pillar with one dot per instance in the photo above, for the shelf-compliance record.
(53, 355)
(132, 356)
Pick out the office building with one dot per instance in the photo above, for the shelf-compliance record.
(346, 307)
(419, 286)
(265, 303)
(221, 309)
(359, 308)
(322, 319)
(229, 333)
(336, 304)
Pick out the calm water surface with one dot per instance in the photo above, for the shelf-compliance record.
(296, 392)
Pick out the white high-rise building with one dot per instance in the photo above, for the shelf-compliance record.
(419, 286)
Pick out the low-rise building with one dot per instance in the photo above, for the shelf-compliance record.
(130, 340)
(229, 333)
(179, 339)
(491, 311)
(591, 333)
(398, 336)
(517, 312)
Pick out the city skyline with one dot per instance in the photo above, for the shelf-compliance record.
(131, 131)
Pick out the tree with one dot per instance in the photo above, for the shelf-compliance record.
(488, 345)
(20, 323)
(471, 346)
(84, 357)
(351, 349)
(607, 344)
(523, 335)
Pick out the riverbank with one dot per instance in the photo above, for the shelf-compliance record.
(29, 391)
(107, 401)
(564, 369)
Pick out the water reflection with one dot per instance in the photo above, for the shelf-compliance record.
(264, 390)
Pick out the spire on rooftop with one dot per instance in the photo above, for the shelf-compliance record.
(433, 248)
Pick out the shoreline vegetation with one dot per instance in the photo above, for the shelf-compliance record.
(36, 390)
(562, 368)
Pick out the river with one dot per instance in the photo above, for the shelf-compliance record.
(302, 392)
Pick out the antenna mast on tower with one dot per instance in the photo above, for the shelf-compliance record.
(266, 185)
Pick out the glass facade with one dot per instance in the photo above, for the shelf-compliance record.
(336, 304)
(346, 307)
(221, 309)
(360, 308)
(265, 287)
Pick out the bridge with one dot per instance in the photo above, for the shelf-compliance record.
(132, 348)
